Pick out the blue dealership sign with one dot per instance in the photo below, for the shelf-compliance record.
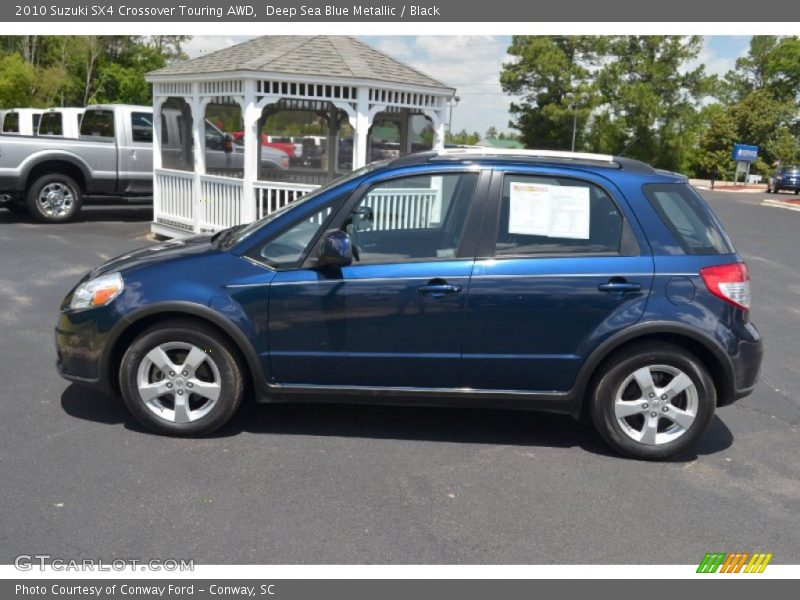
(745, 153)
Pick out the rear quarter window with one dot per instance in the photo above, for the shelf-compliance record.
(11, 123)
(50, 124)
(98, 124)
(688, 218)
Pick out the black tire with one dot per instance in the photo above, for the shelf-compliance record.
(220, 352)
(776, 189)
(619, 367)
(796, 192)
(57, 181)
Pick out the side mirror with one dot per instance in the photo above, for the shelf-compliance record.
(335, 250)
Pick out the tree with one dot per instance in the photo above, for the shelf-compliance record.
(715, 147)
(554, 75)
(491, 133)
(649, 99)
(77, 70)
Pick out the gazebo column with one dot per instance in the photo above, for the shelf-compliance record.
(361, 128)
(198, 107)
(158, 102)
(251, 115)
(437, 122)
(405, 132)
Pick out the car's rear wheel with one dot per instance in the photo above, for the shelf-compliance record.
(181, 378)
(653, 401)
(54, 198)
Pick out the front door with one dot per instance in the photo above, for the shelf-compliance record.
(561, 270)
(394, 317)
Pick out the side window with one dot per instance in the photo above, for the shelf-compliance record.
(50, 124)
(288, 247)
(412, 218)
(686, 216)
(98, 124)
(36, 117)
(11, 123)
(142, 127)
(549, 215)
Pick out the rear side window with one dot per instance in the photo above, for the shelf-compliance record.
(688, 218)
(98, 124)
(549, 215)
(50, 124)
(11, 123)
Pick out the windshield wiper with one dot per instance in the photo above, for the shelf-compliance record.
(221, 237)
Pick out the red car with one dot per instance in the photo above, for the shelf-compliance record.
(284, 146)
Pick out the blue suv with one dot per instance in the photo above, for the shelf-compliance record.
(576, 283)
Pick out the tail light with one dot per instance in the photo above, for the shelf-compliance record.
(729, 282)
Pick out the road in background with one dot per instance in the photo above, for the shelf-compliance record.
(354, 484)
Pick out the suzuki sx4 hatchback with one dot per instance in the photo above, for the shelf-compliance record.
(575, 283)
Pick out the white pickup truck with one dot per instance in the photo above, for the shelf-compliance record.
(112, 159)
(63, 122)
(21, 121)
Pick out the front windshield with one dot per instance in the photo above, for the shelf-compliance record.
(241, 232)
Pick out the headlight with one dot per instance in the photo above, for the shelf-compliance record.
(97, 292)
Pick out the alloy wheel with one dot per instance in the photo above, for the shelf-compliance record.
(179, 382)
(656, 404)
(56, 199)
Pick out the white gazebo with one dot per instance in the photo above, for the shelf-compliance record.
(339, 78)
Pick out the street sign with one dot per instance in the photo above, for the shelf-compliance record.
(745, 153)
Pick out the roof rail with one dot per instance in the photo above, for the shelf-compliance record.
(481, 151)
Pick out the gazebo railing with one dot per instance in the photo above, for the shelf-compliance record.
(221, 202)
(398, 208)
(272, 195)
(174, 199)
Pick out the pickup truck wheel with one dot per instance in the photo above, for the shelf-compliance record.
(54, 198)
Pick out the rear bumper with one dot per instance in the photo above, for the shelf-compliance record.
(785, 185)
(746, 365)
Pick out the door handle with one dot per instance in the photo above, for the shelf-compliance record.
(437, 290)
(619, 286)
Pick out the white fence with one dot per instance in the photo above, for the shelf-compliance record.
(220, 203)
(403, 208)
(272, 195)
(173, 199)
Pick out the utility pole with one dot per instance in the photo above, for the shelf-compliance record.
(453, 103)
(574, 108)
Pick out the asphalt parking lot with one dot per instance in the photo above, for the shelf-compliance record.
(345, 484)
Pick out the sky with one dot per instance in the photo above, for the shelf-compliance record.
(472, 65)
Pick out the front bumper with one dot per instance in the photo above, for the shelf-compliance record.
(80, 339)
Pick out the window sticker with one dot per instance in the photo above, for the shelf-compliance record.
(549, 210)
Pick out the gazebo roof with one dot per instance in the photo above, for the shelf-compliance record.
(319, 55)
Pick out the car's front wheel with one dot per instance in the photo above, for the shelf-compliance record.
(181, 378)
(653, 401)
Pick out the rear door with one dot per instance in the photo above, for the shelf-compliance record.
(562, 266)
